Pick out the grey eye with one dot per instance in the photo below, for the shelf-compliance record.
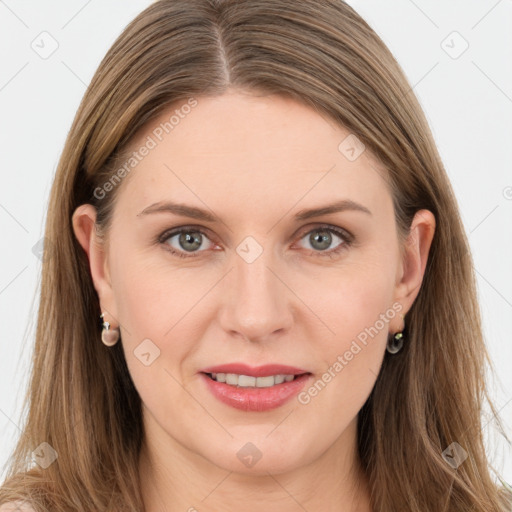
(321, 239)
(189, 240)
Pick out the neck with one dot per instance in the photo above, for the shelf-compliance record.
(175, 479)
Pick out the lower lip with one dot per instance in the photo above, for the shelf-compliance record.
(256, 399)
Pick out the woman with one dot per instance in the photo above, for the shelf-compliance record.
(260, 290)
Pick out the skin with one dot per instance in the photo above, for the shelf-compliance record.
(254, 162)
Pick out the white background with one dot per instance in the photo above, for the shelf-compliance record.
(468, 102)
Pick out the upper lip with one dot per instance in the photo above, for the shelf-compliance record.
(255, 371)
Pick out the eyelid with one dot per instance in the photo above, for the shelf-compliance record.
(319, 225)
(171, 232)
(345, 235)
(301, 232)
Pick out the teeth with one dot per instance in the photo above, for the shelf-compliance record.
(246, 381)
(232, 379)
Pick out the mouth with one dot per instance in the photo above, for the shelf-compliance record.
(249, 381)
(251, 389)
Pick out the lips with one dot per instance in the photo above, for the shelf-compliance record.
(255, 371)
(256, 399)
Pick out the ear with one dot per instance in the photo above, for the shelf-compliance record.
(411, 267)
(84, 227)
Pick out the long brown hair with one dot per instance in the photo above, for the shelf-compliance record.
(81, 400)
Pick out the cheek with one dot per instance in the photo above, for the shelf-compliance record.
(152, 293)
(160, 309)
(153, 304)
(352, 298)
(356, 307)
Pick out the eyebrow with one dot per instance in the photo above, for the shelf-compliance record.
(203, 215)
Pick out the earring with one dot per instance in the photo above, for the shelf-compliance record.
(396, 342)
(108, 337)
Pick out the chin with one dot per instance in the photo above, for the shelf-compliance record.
(259, 456)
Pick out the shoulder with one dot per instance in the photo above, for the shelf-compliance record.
(16, 506)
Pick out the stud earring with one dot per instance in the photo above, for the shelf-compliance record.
(396, 342)
(108, 337)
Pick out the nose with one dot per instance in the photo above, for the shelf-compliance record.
(256, 303)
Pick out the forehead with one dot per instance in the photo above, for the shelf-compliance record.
(240, 150)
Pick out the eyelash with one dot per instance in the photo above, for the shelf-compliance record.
(347, 238)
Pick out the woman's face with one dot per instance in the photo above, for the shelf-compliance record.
(254, 280)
